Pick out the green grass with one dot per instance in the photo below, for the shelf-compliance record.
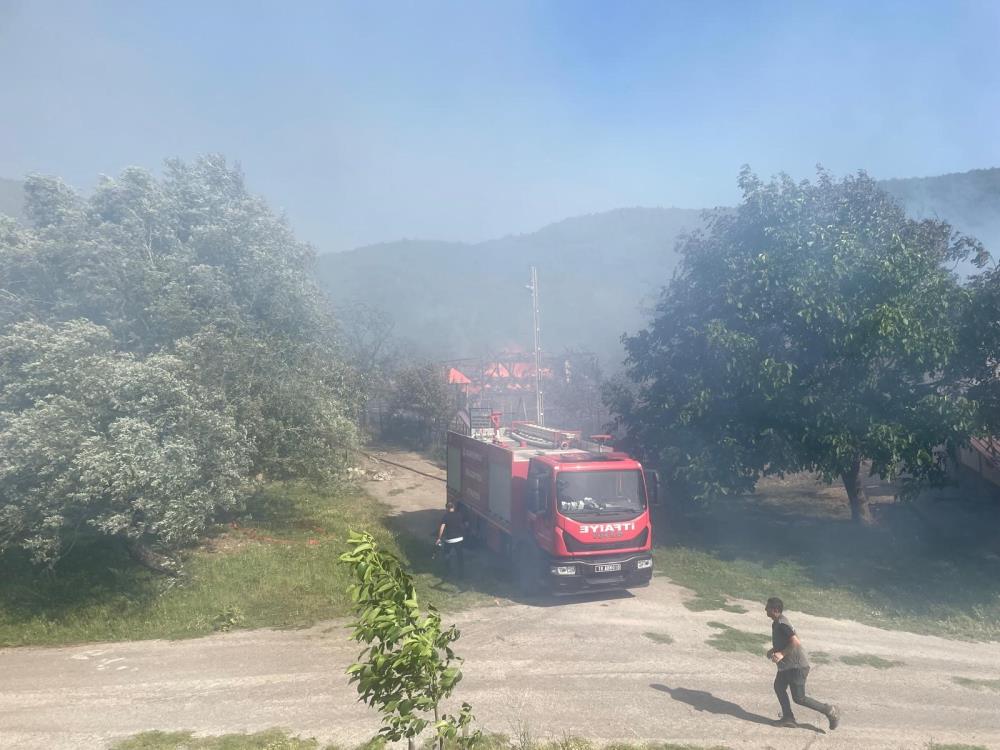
(711, 603)
(901, 575)
(870, 660)
(577, 743)
(278, 570)
(737, 641)
(977, 684)
(272, 739)
(660, 637)
(277, 739)
(819, 657)
(571, 742)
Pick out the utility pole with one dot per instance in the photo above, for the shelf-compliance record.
(533, 288)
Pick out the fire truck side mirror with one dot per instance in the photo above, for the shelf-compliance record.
(653, 487)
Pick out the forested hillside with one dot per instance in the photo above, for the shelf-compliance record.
(453, 299)
(969, 201)
(597, 273)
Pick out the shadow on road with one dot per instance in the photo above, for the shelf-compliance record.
(705, 701)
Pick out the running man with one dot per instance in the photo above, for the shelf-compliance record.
(793, 668)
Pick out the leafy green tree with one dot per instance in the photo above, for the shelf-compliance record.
(406, 668)
(194, 265)
(810, 329)
(373, 350)
(369, 339)
(97, 441)
(979, 364)
(420, 404)
(156, 260)
(295, 400)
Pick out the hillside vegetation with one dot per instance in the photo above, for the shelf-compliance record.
(596, 275)
(599, 275)
(969, 201)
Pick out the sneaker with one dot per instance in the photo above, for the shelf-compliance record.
(785, 721)
(833, 717)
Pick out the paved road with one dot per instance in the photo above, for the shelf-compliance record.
(581, 668)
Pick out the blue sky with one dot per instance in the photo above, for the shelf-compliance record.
(373, 121)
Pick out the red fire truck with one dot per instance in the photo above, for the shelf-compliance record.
(570, 515)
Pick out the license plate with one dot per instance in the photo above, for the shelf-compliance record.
(609, 568)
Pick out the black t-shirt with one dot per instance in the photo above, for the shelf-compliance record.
(781, 636)
(452, 525)
(781, 633)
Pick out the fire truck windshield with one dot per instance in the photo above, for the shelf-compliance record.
(590, 493)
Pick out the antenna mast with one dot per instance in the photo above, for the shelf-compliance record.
(533, 287)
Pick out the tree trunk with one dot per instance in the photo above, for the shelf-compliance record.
(856, 495)
(150, 559)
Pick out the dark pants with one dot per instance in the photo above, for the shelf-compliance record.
(796, 680)
(454, 557)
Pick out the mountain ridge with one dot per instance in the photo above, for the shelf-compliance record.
(599, 273)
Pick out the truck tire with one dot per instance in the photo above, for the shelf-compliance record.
(528, 570)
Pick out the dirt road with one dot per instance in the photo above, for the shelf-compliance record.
(584, 668)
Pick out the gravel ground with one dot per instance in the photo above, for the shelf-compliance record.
(577, 667)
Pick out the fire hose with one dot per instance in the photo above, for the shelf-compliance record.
(400, 466)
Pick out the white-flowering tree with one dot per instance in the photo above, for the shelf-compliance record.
(292, 398)
(97, 441)
(195, 266)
